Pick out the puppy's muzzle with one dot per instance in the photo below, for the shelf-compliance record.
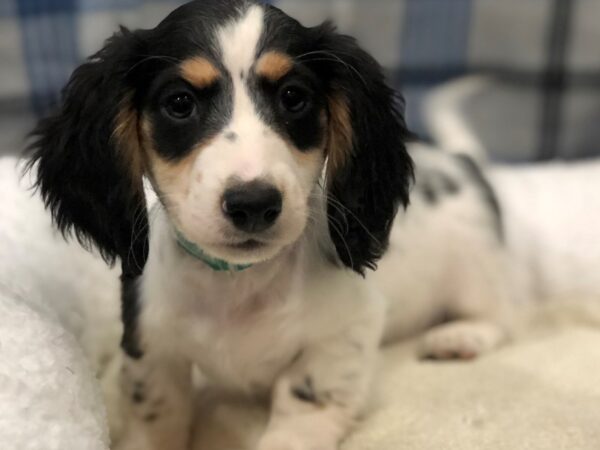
(252, 207)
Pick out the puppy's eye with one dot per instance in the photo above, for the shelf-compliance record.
(294, 99)
(180, 106)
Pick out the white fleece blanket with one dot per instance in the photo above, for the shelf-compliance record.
(540, 392)
(49, 396)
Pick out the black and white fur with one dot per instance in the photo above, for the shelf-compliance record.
(303, 324)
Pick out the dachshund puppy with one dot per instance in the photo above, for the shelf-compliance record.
(277, 156)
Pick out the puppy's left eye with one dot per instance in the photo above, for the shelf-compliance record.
(294, 99)
(180, 106)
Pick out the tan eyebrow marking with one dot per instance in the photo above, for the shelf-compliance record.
(125, 134)
(274, 65)
(340, 135)
(199, 71)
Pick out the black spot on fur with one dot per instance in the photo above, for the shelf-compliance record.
(231, 136)
(434, 185)
(138, 392)
(150, 417)
(487, 192)
(129, 316)
(429, 194)
(305, 391)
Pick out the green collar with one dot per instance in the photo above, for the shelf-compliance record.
(216, 264)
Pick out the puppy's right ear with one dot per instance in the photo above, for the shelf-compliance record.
(88, 156)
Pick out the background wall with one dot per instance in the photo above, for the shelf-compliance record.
(541, 58)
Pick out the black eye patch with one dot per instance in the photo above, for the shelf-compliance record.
(183, 116)
(292, 106)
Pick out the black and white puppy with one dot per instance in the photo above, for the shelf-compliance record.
(277, 155)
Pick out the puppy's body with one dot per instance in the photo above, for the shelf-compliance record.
(301, 328)
(243, 329)
(293, 326)
(452, 236)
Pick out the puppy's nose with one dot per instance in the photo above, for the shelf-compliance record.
(252, 206)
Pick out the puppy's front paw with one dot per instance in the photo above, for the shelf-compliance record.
(461, 340)
(281, 440)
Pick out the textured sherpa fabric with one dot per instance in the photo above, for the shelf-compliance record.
(52, 300)
(49, 398)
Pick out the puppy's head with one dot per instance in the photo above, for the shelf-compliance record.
(232, 112)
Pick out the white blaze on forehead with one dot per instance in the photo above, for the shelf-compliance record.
(239, 41)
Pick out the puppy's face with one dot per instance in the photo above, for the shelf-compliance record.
(233, 110)
(233, 137)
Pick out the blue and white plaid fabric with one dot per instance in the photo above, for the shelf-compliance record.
(543, 54)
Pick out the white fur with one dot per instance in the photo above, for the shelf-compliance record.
(553, 223)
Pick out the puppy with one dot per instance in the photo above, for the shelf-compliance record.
(277, 156)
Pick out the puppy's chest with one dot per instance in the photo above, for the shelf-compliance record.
(239, 336)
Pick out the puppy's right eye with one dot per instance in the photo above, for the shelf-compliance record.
(180, 106)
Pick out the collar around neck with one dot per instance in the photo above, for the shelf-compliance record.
(216, 264)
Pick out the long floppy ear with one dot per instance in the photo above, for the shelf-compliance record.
(368, 169)
(88, 160)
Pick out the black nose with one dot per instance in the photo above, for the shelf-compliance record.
(253, 206)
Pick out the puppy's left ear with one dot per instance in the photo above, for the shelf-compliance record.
(368, 169)
(87, 156)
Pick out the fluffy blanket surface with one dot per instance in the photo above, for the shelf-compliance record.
(50, 346)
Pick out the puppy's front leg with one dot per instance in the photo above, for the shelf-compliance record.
(317, 399)
(156, 402)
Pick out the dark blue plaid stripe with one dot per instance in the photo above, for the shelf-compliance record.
(554, 80)
(435, 38)
(7, 8)
(50, 42)
(434, 41)
(436, 35)
(434, 46)
(28, 8)
(48, 32)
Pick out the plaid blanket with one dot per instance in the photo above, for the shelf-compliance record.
(542, 54)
